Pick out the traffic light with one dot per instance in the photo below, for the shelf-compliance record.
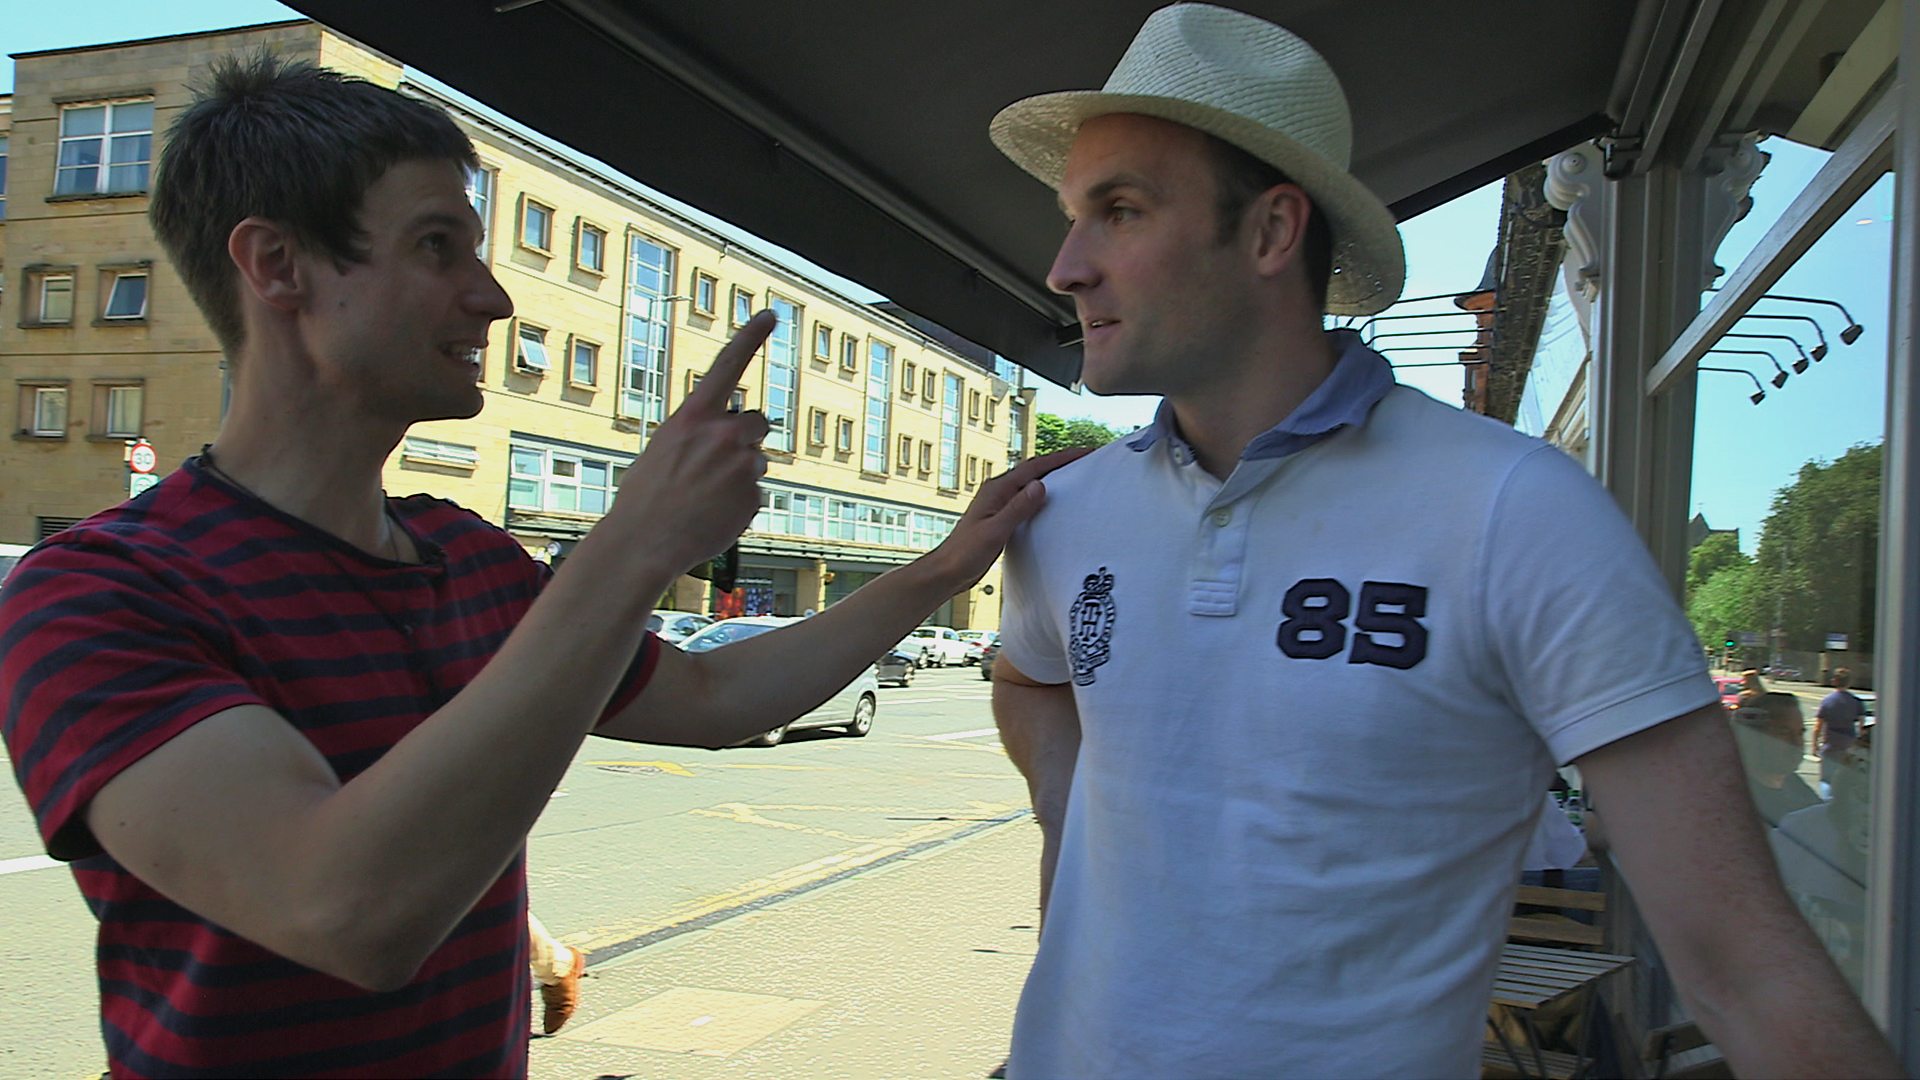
(1732, 644)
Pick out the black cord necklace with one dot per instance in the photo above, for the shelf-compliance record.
(391, 533)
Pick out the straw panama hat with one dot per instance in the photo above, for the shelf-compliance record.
(1254, 85)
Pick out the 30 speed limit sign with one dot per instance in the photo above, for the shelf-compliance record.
(141, 458)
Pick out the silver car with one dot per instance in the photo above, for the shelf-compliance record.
(675, 627)
(852, 708)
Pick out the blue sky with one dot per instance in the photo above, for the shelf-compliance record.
(1743, 452)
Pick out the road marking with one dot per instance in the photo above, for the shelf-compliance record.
(975, 733)
(657, 766)
(30, 862)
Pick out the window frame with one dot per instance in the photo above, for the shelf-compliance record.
(484, 203)
(113, 276)
(104, 165)
(545, 479)
(38, 294)
(102, 412)
(850, 348)
(735, 296)
(929, 385)
(816, 427)
(926, 458)
(582, 228)
(973, 406)
(905, 461)
(843, 435)
(5, 152)
(574, 344)
(704, 280)
(527, 203)
(520, 329)
(822, 349)
(782, 377)
(32, 393)
(909, 377)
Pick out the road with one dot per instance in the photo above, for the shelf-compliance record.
(648, 852)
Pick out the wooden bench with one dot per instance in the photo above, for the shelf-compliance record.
(1557, 929)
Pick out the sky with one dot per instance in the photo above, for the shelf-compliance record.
(1744, 452)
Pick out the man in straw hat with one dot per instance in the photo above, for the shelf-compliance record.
(1288, 669)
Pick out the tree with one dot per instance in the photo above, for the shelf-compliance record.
(1726, 603)
(1818, 559)
(1051, 433)
(1718, 551)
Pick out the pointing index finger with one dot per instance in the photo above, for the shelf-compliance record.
(716, 387)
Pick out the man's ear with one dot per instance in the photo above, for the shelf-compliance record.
(265, 253)
(1280, 228)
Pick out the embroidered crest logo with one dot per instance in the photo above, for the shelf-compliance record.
(1091, 625)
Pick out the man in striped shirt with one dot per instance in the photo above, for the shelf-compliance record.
(291, 732)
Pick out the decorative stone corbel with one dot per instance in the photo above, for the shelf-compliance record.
(1731, 170)
(1573, 185)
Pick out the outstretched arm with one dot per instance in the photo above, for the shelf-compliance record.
(1753, 975)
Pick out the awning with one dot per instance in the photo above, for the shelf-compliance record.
(855, 131)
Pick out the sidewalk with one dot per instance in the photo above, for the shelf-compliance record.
(908, 969)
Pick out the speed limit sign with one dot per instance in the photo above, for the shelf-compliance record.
(141, 458)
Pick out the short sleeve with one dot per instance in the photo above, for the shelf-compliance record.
(1029, 634)
(99, 664)
(1587, 632)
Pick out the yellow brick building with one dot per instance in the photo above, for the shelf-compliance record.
(884, 428)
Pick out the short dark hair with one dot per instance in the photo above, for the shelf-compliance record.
(1239, 177)
(288, 141)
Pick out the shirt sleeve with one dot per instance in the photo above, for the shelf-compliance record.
(639, 670)
(1029, 632)
(1587, 633)
(100, 663)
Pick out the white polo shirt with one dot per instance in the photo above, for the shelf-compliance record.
(1319, 704)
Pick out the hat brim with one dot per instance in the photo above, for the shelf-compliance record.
(1369, 264)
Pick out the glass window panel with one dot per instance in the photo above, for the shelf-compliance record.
(56, 299)
(523, 493)
(83, 120)
(128, 300)
(123, 410)
(480, 197)
(528, 462)
(565, 467)
(583, 362)
(50, 410)
(80, 152)
(129, 148)
(133, 116)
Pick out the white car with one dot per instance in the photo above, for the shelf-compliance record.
(977, 642)
(851, 708)
(675, 627)
(938, 646)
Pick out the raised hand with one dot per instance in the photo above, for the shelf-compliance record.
(697, 485)
(1002, 504)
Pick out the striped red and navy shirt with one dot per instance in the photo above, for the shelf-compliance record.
(195, 597)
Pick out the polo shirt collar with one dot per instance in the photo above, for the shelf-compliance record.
(1360, 378)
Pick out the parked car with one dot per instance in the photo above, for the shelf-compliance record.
(851, 708)
(675, 627)
(988, 656)
(10, 554)
(940, 645)
(896, 668)
(1729, 687)
(976, 641)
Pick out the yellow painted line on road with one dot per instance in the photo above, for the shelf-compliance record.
(781, 768)
(781, 881)
(663, 766)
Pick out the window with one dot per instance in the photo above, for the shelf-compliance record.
(480, 184)
(926, 457)
(822, 341)
(51, 294)
(583, 363)
(567, 480)
(993, 408)
(531, 355)
(973, 405)
(643, 374)
(973, 470)
(879, 406)
(783, 375)
(3, 178)
(788, 511)
(706, 294)
(105, 148)
(742, 306)
(590, 247)
(817, 427)
(843, 441)
(849, 351)
(1016, 430)
(950, 435)
(737, 401)
(425, 451)
(117, 408)
(906, 451)
(536, 225)
(126, 295)
(909, 372)
(930, 385)
(43, 411)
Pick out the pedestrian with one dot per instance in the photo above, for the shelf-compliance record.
(292, 732)
(1286, 729)
(1836, 723)
(557, 968)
